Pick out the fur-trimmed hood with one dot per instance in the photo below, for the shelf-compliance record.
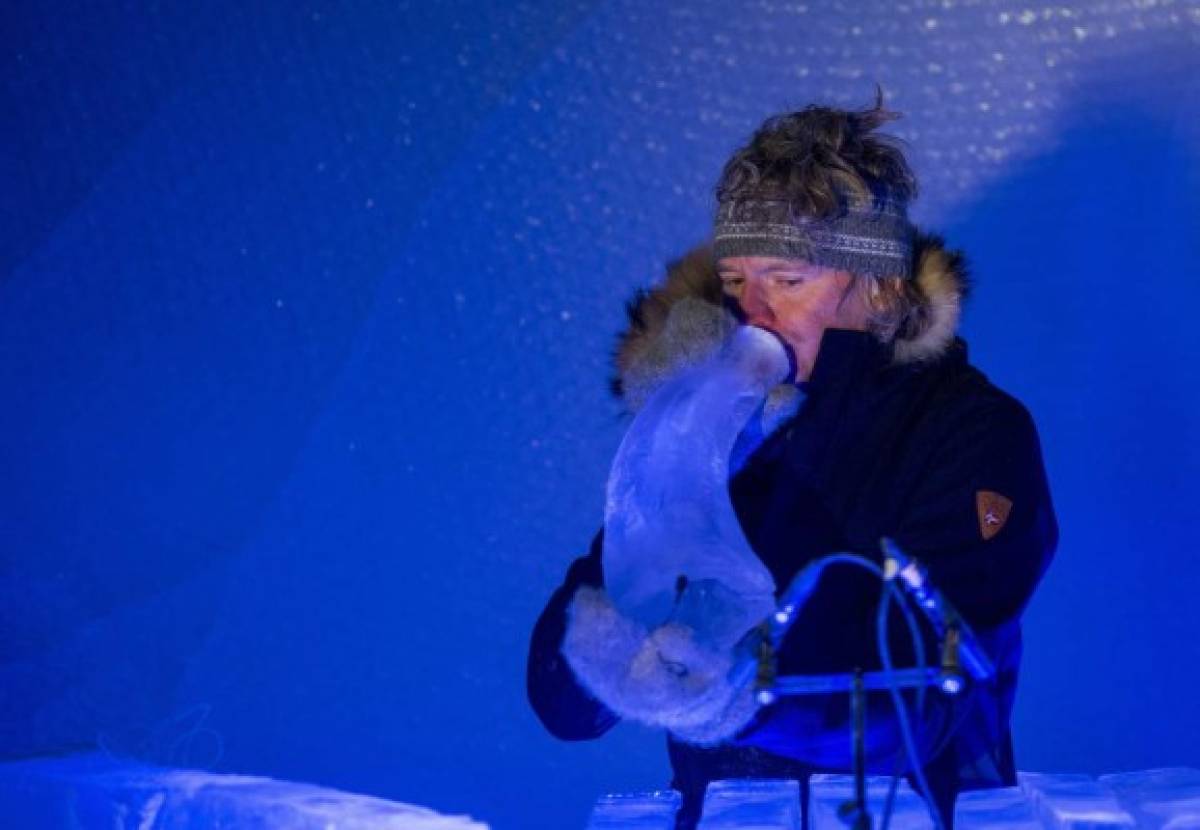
(682, 321)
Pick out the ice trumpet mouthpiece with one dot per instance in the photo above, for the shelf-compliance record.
(764, 354)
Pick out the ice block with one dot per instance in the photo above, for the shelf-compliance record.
(1004, 808)
(96, 791)
(1074, 802)
(654, 810)
(751, 804)
(1159, 798)
(830, 792)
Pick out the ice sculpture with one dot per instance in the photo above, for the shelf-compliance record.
(830, 791)
(1074, 801)
(96, 791)
(636, 811)
(1159, 799)
(737, 803)
(1004, 808)
(1153, 799)
(673, 548)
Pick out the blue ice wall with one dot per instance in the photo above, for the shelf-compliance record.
(305, 314)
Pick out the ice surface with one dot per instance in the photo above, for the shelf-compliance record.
(1074, 801)
(1006, 808)
(751, 804)
(94, 791)
(1159, 798)
(636, 811)
(668, 513)
(830, 792)
(1155, 799)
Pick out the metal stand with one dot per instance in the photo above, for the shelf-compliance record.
(959, 650)
(855, 813)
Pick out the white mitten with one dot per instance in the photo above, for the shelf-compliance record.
(662, 677)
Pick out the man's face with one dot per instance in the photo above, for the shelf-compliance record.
(793, 298)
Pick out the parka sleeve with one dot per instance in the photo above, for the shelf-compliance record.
(562, 704)
(980, 517)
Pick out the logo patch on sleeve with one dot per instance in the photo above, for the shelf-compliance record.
(992, 509)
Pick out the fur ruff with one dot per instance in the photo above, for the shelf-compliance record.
(683, 320)
(941, 277)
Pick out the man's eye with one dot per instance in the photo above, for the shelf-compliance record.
(790, 282)
(732, 283)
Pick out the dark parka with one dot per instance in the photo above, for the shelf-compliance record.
(905, 440)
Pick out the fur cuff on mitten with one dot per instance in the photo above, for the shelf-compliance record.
(661, 677)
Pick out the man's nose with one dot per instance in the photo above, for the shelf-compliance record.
(755, 308)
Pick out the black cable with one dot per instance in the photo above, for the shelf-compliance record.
(919, 655)
(885, 654)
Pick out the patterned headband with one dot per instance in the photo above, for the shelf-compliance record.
(871, 239)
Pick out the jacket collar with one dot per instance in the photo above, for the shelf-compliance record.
(845, 359)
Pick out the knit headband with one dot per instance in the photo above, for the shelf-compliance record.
(872, 239)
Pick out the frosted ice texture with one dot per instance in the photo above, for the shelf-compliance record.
(93, 791)
(829, 792)
(751, 804)
(636, 811)
(1154, 799)
(1159, 798)
(668, 513)
(1006, 808)
(1073, 802)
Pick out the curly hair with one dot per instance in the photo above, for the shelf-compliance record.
(820, 159)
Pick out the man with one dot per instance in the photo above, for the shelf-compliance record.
(898, 436)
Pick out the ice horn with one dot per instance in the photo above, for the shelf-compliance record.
(673, 548)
